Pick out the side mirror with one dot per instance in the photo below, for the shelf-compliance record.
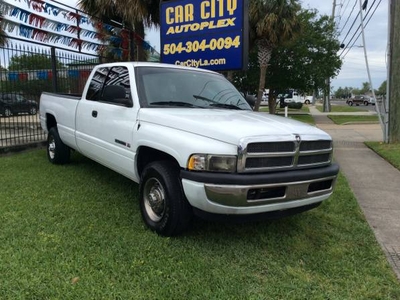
(116, 94)
(251, 100)
(124, 101)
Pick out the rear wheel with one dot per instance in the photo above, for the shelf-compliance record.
(33, 110)
(307, 102)
(351, 103)
(366, 103)
(163, 205)
(57, 152)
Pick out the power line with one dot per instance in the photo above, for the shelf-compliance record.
(359, 26)
(342, 12)
(348, 18)
(348, 48)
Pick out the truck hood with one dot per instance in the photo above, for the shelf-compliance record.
(227, 125)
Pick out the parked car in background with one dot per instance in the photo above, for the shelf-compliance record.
(358, 99)
(13, 104)
(308, 99)
(292, 96)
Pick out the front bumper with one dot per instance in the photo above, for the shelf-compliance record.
(241, 194)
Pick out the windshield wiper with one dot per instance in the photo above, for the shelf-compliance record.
(216, 103)
(205, 99)
(174, 103)
(229, 106)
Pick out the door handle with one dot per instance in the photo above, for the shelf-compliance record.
(94, 113)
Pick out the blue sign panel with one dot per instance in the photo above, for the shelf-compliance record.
(210, 34)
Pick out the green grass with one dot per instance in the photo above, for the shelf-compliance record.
(341, 108)
(390, 152)
(75, 232)
(353, 119)
(303, 110)
(304, 118)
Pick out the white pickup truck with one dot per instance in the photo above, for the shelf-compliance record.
(193, 144)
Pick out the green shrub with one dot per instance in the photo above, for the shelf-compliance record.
(295, 105)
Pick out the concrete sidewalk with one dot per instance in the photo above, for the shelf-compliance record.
(375, 182)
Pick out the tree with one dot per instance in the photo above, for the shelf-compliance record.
(272, 23)
(133, 14)
(31, 62)
(302, 63)
(365, 88)
(382, 89)
(3, 36)
(343, 93)
(247, 81)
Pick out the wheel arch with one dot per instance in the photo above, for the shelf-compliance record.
(50, 121)
(146, 155)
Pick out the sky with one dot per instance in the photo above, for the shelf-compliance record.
(354, 71)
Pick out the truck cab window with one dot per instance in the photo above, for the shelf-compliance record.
(117, 78)
(96, 84)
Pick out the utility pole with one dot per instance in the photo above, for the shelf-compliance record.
(362, 7)
(394, 73)
(326, 103)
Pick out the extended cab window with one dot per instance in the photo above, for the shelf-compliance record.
(110, 85)
(96, 84)
(116, 85)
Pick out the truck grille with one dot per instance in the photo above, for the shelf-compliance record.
(299, 152)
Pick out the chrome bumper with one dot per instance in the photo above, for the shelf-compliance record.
(262, 194)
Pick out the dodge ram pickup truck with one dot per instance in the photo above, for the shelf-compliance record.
(193, 144)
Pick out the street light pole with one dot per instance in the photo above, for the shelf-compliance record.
(367, 65)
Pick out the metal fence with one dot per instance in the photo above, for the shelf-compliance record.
(52, 47)
(25, 72)
(30, 71)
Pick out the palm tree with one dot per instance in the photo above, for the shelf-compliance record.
(272, 23)
(134, 14)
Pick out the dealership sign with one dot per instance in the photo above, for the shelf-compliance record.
(210, 34)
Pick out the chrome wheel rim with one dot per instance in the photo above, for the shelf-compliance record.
(154, 199)
(7, 112)
(52, 147)
(33, 111)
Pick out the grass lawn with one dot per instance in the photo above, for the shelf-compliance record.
(75, 232)
(303, 118)
(303, 110)
(390, 152)
(341, 108)
(302, 114)
(349, 119)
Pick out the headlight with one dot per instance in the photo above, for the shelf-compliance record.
(213, 163)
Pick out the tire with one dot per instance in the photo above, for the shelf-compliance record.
(163, 205)
(366, 103)
(307, 102)
(350, 103)
(33, 110)
(57, 152)
(7, 112)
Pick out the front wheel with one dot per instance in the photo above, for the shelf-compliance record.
(366, 103)
(307, 102)
(163, 205)
(350, 103)
(57, 152)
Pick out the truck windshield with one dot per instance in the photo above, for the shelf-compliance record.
(169, 87)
